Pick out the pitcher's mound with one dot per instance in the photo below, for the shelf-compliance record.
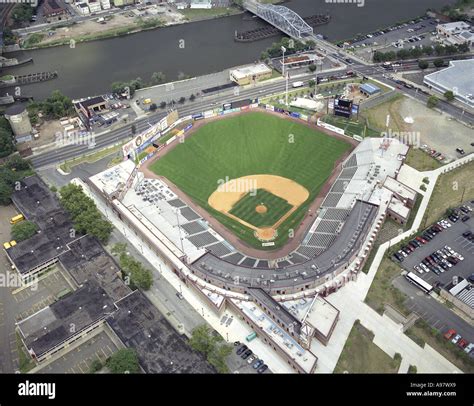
(261, 209)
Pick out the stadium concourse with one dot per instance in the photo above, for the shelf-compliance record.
(330, 255)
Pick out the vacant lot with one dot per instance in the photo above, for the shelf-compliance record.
(361, 355)
(250, 144)
(421, 161)
(452, 189)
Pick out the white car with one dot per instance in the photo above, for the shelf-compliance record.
(417, 269)
(251, 359)
(469, 348)
(456, 338)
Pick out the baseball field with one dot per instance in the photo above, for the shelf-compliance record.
(256, 173)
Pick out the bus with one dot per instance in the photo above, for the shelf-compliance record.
(420, 283)
(251, 336)
(17, 219)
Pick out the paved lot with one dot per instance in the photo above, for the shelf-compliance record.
(436, 314)
(29, 300)
(241, 366)
(384, 42)
(79, 360)
(453, 238)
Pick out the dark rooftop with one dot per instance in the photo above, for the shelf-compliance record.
(87, 260)
(38, 204)
(15, 109)
(275, 308)
(52, 325)
(160, 348)
(93, 101)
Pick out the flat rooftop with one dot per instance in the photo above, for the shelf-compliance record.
(399, 188)
(245, 71)
(87, 260)
(49, 327)
(160, 348)
(399, 208)
(109, 180)
(304, 358)
(458, 76)
(275, 308)
(317, 312)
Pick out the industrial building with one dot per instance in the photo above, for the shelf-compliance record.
(456, 78)
(250, 74)
(369, 89)
(455, 33)
(17, 116)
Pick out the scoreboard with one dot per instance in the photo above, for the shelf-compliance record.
(342, 107)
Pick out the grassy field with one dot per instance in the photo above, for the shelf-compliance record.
(361, 355)
(377, 116)
(250, 144)
(351, 126)
(245, 208)
(421, 161)
(451, 190)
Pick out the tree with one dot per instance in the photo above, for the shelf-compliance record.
(163, 104)
(6, 143)
(449, 95)
(123, 361)
(86, 217)
(438, 63)
(192, 97)
(96, 366)
(311, 83)
(432, 102)
(133, 128)
(423, 64)
(5, 193)
(182, 99)
(206, 341)
(22, 13)
(158, 78)
(153, 107)
(139, 276)
(23, 230)
(312, 67)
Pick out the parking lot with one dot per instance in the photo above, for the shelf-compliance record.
(79, 359)
(403, 36)
(29, 300)
(453, 238)
(243, 361)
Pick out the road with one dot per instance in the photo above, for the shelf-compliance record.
(204, 103)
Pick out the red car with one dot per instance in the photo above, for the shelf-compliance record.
(450, 334)
(463, 343)
(422, 240)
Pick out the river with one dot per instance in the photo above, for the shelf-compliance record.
(91, 67)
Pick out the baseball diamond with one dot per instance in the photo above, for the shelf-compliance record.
(286, 155)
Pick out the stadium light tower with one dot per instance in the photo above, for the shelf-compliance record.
(283, 49)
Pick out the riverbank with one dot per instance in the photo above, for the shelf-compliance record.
(118, 25)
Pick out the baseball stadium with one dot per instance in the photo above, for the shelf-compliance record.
(255, 206)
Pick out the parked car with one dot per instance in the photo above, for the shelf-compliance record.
(246, 354)
(462, 343)
(469, 348)
(258, 364)
(456, 338)
(262, 369)
(450, 334)
(251, 359)
(242, 349)
(465, 218)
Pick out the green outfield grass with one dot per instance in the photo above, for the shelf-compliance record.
(251, 144)
(245, 208)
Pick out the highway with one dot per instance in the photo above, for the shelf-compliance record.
(212, 101)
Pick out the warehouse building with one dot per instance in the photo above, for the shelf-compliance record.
(456, 78)
(250, 74)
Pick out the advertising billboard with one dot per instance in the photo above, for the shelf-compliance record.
(342, 108)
